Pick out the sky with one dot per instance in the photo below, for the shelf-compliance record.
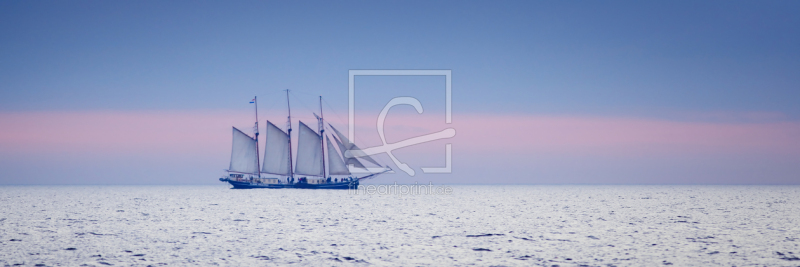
(543, 92)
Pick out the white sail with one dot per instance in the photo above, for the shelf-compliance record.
(309, 152)
(351, 146)
(335, 164)
(349, 161)
(276, 151)
(243, 154)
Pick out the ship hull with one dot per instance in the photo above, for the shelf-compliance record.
(249, 185)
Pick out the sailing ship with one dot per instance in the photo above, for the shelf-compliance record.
(308, 171)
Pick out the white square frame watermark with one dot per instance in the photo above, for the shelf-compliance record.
(448, 109)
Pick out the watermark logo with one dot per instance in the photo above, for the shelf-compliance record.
(404, 100)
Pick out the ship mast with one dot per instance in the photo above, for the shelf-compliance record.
(322, 137)
(258, 163)
(291, 168)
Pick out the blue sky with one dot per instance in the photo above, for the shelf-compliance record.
(687, 61)
(564, 57)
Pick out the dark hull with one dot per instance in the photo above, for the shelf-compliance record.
(249, 185)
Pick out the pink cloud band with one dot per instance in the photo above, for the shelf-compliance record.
(208, 131)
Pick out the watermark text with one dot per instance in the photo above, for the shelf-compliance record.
(402, 189)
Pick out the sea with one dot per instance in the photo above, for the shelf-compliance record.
(482, 225)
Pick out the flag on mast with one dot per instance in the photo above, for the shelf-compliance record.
(252, 101)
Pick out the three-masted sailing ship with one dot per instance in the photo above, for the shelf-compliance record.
(309, 169)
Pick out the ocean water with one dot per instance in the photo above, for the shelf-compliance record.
(508, 225)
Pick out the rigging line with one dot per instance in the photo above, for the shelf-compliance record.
(272, 100)
(339, 118)
(355, 140)
(270, 104)
(275, 99)
(302, 102)
(297, 98)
